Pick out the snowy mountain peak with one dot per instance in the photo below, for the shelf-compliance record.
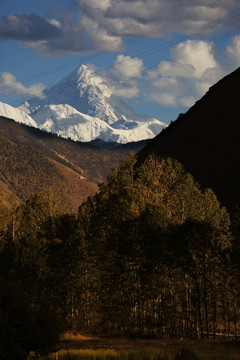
(84, 95)
(88, 81)
(20, 116)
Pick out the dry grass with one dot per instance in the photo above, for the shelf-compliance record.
(86, 347)
(71, 336)
(114, 354)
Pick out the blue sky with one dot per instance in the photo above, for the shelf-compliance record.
(158, 55)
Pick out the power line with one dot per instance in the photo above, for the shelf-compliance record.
(114, 48)
(157, 49)
(150, 68)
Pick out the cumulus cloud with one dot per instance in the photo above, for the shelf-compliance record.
(195, 65)
(123, 77)
(71, 41)
(103, 24)
(27, 28)
(50, 38)
(186, 101)
(100, 37)
(99, 5)
(127, 90)
(233, 52)
(10, 85)
(193, 68)
(156, 17)
(164, 98)
(125, 67)
(198, 54)
(167, 68)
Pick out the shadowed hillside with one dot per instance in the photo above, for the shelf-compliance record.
(206, 139)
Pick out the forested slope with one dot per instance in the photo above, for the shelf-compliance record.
(24, 171)
(32, 160)
(92, 161)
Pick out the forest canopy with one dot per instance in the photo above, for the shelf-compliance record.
(149, 254)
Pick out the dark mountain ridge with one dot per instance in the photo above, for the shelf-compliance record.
(206, 139)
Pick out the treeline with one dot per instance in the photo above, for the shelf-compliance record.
(150, 254)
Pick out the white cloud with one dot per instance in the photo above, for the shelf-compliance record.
(233, 52)
(99, 35)
(125, 67)
(168, 99)
(167, 68)
(71, 41)
(187, 101)
(187, 77)
(170, 85)
(10, 85)
(194, 67)
(157, 17)
(196, 53)
(129, 90)
(163, 98)
(123, 77)
(102, 24)
(102, 5)
(55, 22)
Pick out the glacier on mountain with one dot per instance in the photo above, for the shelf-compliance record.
(82, 107)
(18, 115)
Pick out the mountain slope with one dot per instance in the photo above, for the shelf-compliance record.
(82, 107)
(32, 160)
(86, 159)
(206, 140)
(25, 169)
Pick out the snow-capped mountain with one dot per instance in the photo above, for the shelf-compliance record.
(66, 121)
(20, 116)
(82, 107)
